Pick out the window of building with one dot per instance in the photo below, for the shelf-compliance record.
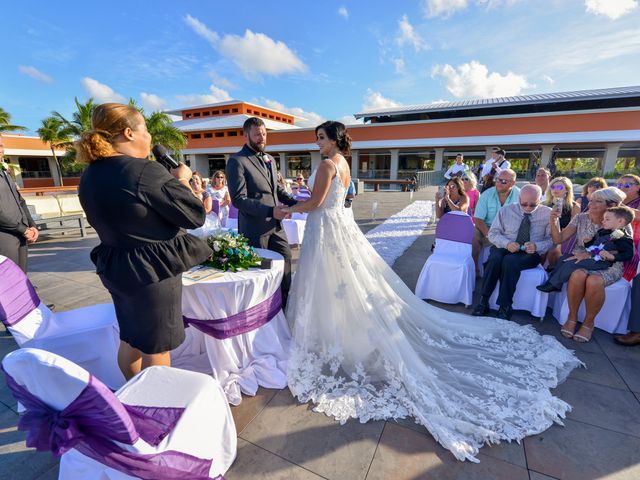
(215, 112)
(232, 133)
(579, 165)
(195, 135)
(264, 115)
(206, 114)
(234, 110)
(196, 114)
(208, 135)
(374, 164)
(225, 111)
(628, 160)
(188, 115)
(298, 163)
(34, 167)
(410, 162)
(219, 134)
(216, 162)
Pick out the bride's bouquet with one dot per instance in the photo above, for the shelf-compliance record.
(231, 251)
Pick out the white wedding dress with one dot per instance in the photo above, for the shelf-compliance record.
(364, 346)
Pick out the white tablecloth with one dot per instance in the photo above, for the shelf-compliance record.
(246, 361)
(294, 229)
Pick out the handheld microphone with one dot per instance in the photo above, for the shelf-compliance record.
(162, 156)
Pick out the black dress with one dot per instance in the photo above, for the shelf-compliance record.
(139, 212)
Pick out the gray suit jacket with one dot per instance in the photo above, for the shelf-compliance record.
(14, 214)
(255, 194)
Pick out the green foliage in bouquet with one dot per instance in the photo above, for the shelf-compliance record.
(231, 251)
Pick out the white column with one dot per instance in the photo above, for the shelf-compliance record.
(355, 161)
(610, 157)
(55, 173)
(283, 164)
(545, 156)
(394, 163)
(316, 158)
(439, 159)
(201, 164)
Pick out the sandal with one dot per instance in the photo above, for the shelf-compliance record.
(566, 333)
(581, 338)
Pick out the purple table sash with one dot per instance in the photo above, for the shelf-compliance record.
(91, 424)
(241, 322)
(18, 298)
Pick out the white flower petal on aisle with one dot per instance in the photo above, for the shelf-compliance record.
(392, 237)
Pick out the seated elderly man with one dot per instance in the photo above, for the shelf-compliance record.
(504, 193)
(520, 233)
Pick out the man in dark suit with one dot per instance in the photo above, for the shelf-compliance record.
(17, 228)
(252, 181)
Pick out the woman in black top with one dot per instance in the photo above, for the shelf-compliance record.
(140, 212)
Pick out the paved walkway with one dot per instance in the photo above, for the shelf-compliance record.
(279, 439)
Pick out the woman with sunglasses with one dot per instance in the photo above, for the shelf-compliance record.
(596, 183)
(630, 185)
(200, 190)
(454, 198)
(560, 198)
(220, 192)
(470, 182)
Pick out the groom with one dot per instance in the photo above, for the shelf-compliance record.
(255, 192)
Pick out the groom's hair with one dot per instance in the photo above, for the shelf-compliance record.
(251, 122)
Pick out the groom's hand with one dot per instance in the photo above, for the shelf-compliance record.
(279, 213)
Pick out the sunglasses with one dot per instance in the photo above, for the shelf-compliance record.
(503, 181)
(557, 187)
(626, 185)
(594, 185)
(220, 176)
(528, 205)
(465, 179)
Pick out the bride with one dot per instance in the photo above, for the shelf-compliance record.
(364, 346)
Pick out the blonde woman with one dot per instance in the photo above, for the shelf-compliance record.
(470, 182)
(220, 192)
(560, 198)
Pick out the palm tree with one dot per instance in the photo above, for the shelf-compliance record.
(54, 132)
(81, 118)
(5, 122)
(162, 131)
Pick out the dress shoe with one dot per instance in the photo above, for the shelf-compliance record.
(504, 313)
(547, 288)
(630, 339)
(481, 310)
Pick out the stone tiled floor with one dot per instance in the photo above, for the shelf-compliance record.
(280, 439)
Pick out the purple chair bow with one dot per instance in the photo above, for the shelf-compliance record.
(215, 206)
(18, 298)
(455, 227)
(233, 211)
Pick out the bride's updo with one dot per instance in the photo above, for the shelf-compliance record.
(337, 132)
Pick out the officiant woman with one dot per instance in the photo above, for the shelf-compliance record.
(139, 211)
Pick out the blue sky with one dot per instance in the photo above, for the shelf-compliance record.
(317, 59)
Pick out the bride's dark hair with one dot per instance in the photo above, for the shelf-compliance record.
(337, 132)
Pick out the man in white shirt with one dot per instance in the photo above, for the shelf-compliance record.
(495, 164)
(457, 168)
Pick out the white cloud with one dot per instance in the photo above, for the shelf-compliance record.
(611, 8)
(398, 65)
(443, 8)
(216, 95)
(407, 35)
(152, 102)
(222, 81)
(100, 92)
(343, 12)
(311, 119)
(374, 101)
(547, 78)
(33, 72)
(473, 80)
(253, 53)
(350, 120)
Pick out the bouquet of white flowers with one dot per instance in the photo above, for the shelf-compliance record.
(231, 251)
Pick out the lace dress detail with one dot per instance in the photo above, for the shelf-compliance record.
(365, 347)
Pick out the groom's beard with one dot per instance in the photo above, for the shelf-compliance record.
(257, 148)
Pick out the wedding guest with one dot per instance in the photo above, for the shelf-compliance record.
(17, 228)
(632, 338)
(596, 183)
(492, 168)
(470, 182)
(199, 189)
(454, 198)
(220, 192)
(587, 285)
(504, 193)
(457, 169)
(351, 194)
(139, 211)
(630, 185)
(609, 245)
(542, 179)
(283, 183)
(560, 196)
(520, 233)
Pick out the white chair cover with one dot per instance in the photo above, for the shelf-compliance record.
(256, 358)
(88, 336)
(205, 428)
(614, 314)
(452, 260)
(294, 229)
(526, 296)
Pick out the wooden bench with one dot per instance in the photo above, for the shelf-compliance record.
(40, 191)
(378, 181)
(57, 209)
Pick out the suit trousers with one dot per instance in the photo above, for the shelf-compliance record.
(634, 316)
(14, 248)
(278, 242)
(505, 266)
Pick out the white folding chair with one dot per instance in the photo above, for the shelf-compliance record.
(451, 260)
(88, 336)
(526, 296)
(164, 420)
